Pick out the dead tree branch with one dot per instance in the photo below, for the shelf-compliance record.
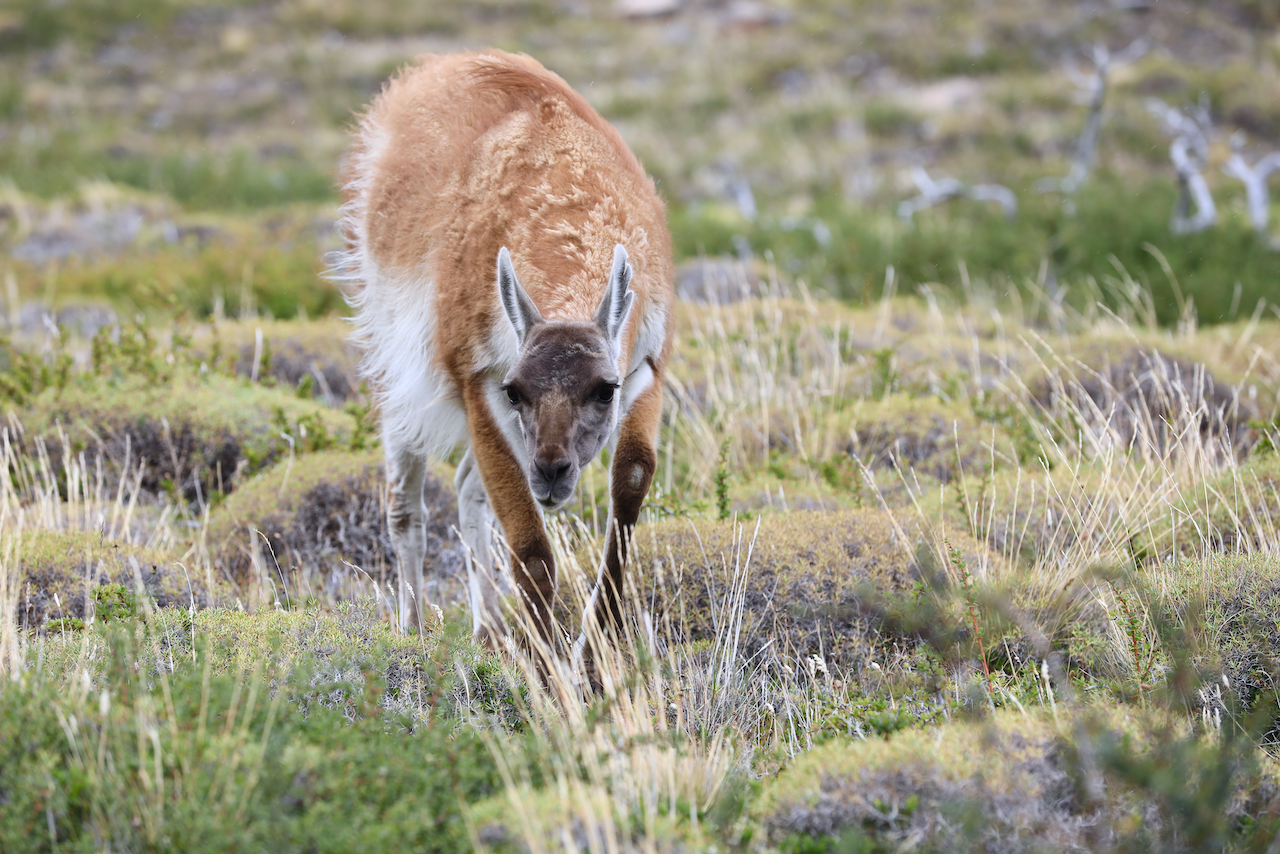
(1254, 178)
(1091, 89)
(1191, 131)
(935, 192)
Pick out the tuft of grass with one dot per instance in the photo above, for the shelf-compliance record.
(889, 118)
(722, 482)
(820, 583)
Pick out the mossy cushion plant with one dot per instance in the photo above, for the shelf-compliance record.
(193, 434)
(810, 582)
(313, 357)
(63, 576)
(1045, 780)
(320, 514)
(921, 434)
(898, 786)
(974, 785)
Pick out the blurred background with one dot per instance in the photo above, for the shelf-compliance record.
(177, 155)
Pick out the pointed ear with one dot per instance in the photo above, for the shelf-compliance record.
(615, 305)
(521, 311)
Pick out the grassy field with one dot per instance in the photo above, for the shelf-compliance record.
(965, 531)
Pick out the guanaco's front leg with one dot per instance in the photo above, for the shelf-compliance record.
(532, 564)
(634, 461)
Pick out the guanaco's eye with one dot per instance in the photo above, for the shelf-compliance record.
(604, 392)
(512, 395)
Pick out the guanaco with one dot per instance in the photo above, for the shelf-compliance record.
(510, 269)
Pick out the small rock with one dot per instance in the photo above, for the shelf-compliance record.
(647, 8)
(494, 834)
(750, 14)
(86, 320)
(717, 281)
(33, 318)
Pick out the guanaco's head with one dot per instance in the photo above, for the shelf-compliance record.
(565, 381)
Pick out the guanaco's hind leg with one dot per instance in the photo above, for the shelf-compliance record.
(533, 567)
(407, 521)
(485, 578)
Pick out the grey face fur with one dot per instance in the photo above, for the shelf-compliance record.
(565, 382)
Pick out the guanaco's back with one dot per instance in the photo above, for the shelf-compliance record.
(463, 154)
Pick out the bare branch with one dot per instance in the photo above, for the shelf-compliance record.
(1189, 164)
(1192, 129)
(934, 192)
(1135, 51)
(997, 193)
(1254, 178)
(1091, 90)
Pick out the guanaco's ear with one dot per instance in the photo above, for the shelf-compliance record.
(615, 305)
(521, 311)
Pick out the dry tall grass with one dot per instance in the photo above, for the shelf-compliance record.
(1053, 465)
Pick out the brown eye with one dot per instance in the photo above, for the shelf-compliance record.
(512, 395)
(604, 392)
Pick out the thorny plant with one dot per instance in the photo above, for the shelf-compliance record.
(1143, 664)
(966, 581)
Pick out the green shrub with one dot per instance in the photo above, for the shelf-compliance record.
(262, 757)
(114, 602)
(1118, 229)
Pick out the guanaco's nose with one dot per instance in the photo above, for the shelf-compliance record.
(553, 470)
